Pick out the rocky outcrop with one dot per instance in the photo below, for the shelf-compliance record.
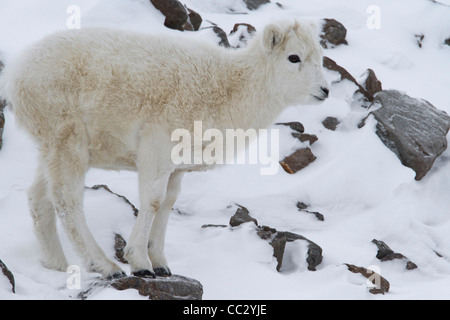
(277, 239)
(412, 128)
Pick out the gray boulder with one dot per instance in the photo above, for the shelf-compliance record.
(412, 128)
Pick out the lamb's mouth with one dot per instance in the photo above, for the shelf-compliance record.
(319, 98)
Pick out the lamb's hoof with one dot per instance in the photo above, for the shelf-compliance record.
(162, 272)
(144, 274)
(116, 275)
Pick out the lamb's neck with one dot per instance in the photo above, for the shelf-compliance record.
(257, 105)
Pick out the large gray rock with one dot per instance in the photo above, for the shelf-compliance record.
(413, 129)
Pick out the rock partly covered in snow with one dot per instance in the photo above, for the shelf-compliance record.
(2, 117)
(242, 33)
(413, 129)
(385, 253)
(279, 240)
(241, 216)
(161, 288)
(255, 4)
(178, 16)
(381, 285)
(8, 274)
(330, 64)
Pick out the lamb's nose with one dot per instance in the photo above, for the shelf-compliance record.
(325, 91)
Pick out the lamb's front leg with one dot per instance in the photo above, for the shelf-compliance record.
(158, 231)
(152, 188)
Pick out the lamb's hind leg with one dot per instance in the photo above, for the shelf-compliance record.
(158, 231)
(67, 165)
(44, 220)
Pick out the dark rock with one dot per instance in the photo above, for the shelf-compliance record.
(297, 161)
(447, 41)
(279, 239)
(241, 216)
(255, 4)
(303, 206)
(265, 232)
(8, 274)
(2, 117)
(419, 39)
(303, 137)
(214, 226)
(333, 33)
(296, 126)
(249, 28)
(382, 286)
(106, 188)
(387, 254)
(331, 123)
(175, 13)
(195, 19)
(2, 124)
(119, 247)
(371, 83)
(223, 39)
(161, 288)
(278, 244)
(413, 129)
(330, 64)
(244, 32)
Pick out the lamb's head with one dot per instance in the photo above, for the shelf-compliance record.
(294, 56)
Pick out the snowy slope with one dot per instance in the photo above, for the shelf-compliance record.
(356, 182)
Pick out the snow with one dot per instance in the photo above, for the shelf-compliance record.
(356, 182)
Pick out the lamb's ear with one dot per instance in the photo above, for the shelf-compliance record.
(272, 37)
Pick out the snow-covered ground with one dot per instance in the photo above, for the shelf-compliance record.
(358, 184)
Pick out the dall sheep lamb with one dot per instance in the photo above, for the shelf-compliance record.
(111, 99)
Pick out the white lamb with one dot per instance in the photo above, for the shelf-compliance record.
(111, 99)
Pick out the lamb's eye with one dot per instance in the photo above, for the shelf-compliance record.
(294, 59)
